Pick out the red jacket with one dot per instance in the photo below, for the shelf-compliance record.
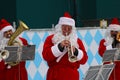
(2, 70)
(62, 70)
(115, 73)
(17, 72)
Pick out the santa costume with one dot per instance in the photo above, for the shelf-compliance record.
(60, 68)
(106, 44)
(2, 70)
(17, 72)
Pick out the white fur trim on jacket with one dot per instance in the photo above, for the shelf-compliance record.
(56, 52)
(80, 54)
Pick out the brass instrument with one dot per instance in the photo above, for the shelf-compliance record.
(4, 54)
(118, 37)
(71, 57)
(22, 27)
(118, 41)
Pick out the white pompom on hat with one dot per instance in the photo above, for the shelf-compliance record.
(115, 25)
(66, 20)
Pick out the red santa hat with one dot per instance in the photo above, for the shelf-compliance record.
(5, 26)
(114, 25)
(67, 20)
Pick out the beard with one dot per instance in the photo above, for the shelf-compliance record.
(3, 43)
(5, 40)
(58, 37)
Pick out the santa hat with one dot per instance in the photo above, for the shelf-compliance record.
(67, 20)
(115, 26)
(5, 26)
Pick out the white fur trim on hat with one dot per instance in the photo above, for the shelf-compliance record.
(7, 28)
(66, 21)
(114, 27)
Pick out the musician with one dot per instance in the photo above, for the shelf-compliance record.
(110, 41)
(55, 51)
(18, 71)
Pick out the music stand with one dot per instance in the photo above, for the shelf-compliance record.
(20, 53)
(28, 53)
(99, 72)
(111, 55)
(13, 56)
(92, 72)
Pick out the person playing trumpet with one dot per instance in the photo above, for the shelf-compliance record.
(18, 71)
(111, 41)
(56, 51)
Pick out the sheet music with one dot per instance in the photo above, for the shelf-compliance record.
(111, 55)
(99, 72)
(20, 53)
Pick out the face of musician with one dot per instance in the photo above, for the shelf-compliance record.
(113, 33)
(8, 33)
(66, 29)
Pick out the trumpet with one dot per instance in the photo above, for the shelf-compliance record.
(71, 57)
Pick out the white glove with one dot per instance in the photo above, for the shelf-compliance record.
(8, 67)
(108, 41)
(108, 47)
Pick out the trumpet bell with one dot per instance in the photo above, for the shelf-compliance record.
(22, 27)
(4, 54)
(72, 58)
